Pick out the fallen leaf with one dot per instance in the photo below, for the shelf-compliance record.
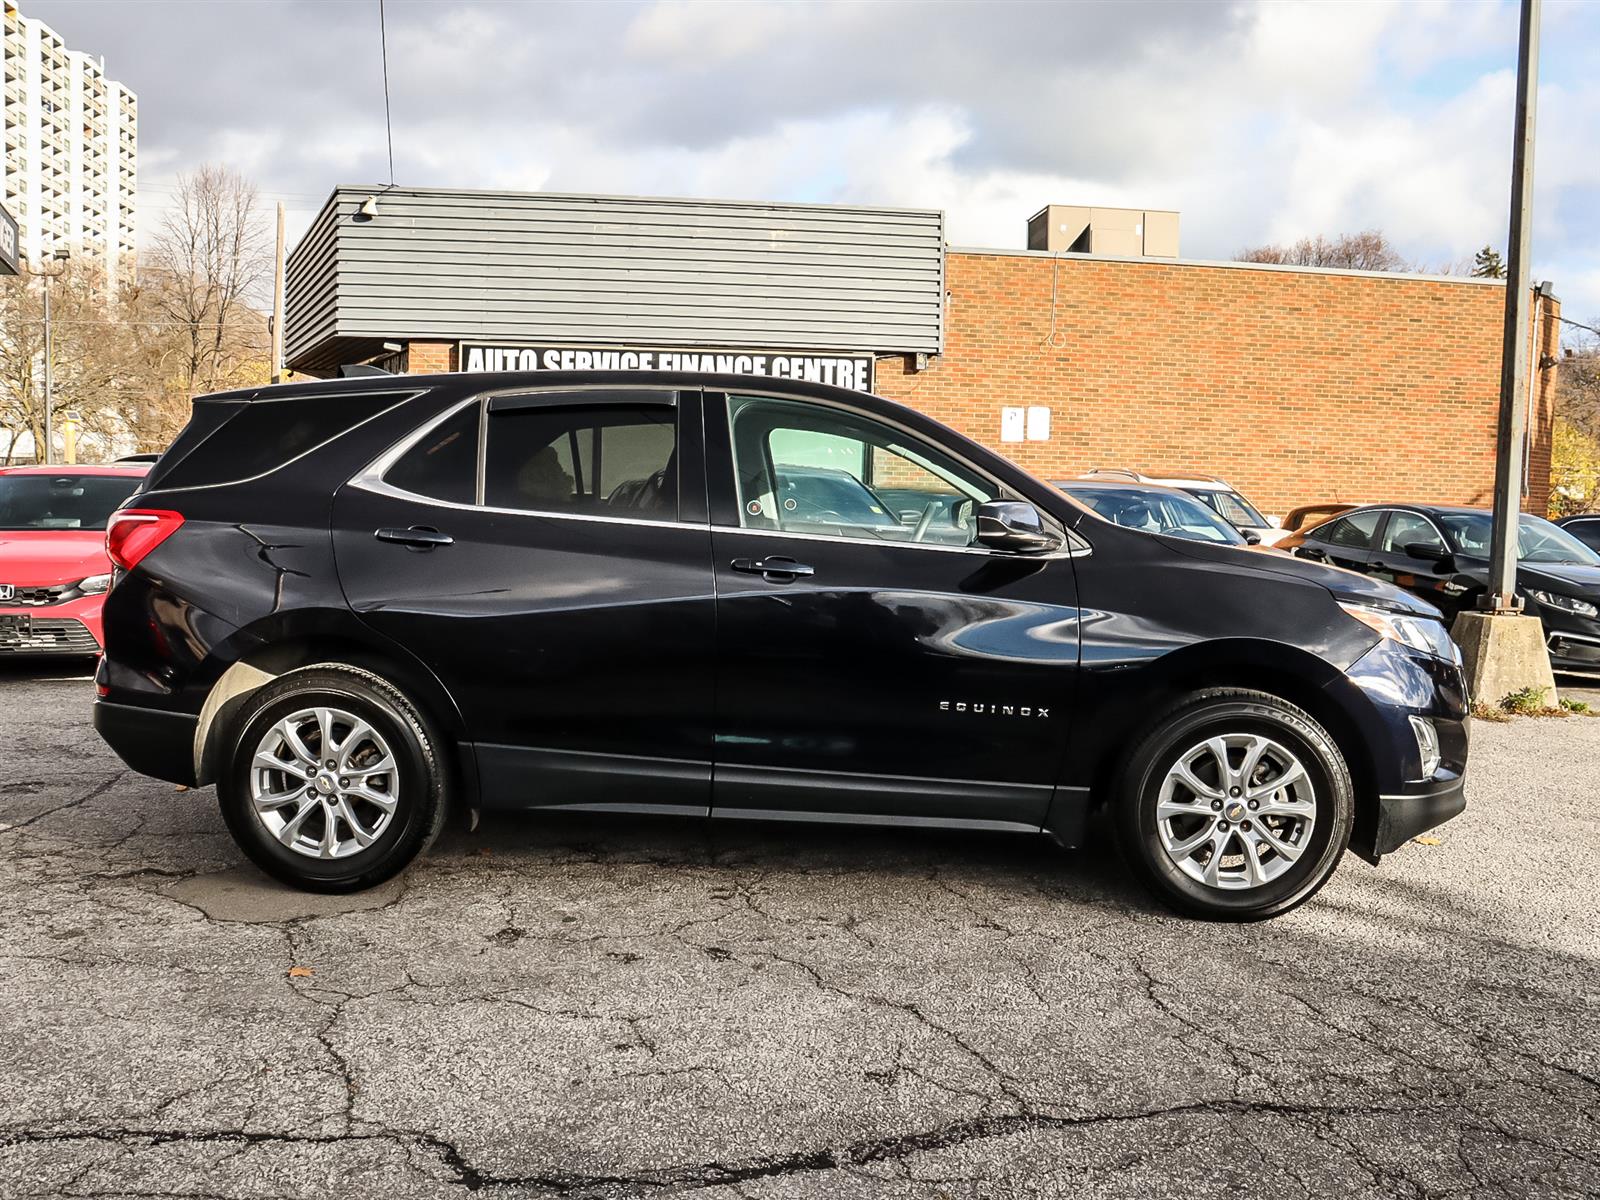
(1428, 841)
(301, 972)
(180, 788)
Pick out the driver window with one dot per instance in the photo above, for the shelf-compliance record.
(809, 468)
(1408, 528)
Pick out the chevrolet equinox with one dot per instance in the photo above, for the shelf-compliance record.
(353, 604)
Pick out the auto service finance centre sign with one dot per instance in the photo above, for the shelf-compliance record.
(852, 371)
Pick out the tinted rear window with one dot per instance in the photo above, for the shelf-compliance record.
(265, 434)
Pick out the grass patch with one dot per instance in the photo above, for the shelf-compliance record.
(1530, 702)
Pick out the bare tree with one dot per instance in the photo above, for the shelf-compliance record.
(208, 262)
(89, 355)
(1368, 250)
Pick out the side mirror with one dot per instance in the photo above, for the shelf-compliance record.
(1429, 552)
(1252, 539)
(1014, 526)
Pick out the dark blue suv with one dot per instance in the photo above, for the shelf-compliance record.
(354, 604)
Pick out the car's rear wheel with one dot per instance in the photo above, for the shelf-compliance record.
(1237, 806)
(334, 781)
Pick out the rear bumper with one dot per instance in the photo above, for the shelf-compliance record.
(1402, 817)
(152, 742)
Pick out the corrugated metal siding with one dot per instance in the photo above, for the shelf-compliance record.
(310, 277)
(449, 265)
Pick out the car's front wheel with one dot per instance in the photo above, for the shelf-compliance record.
(1237, 806)
(334, 781)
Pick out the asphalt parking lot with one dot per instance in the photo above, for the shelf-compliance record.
(602, 1009)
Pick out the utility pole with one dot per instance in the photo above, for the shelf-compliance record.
(1502, 650)
(1513, 429)
(277, 304)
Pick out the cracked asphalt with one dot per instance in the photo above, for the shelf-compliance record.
(587, 1008)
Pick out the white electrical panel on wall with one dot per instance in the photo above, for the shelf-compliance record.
(1013, 424)
(1038, 423)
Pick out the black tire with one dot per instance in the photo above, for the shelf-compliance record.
(1193, 720)
(423, 794)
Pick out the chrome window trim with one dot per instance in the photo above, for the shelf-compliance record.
(371, 480)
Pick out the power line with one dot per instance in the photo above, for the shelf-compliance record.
(388, 126)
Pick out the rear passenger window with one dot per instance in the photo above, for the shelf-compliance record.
(444, 464)
(1352, 532)
(595, 459)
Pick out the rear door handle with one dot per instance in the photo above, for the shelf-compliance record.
(417, 537)
(777, 569)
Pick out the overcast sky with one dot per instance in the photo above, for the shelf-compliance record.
(1259, 122)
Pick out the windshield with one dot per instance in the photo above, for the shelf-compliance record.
(64, 501)
(1538, 541)
(1171, 513)
(1230, 506)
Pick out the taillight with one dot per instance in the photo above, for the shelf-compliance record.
(133, 532)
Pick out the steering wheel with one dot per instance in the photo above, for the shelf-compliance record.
(926, 519)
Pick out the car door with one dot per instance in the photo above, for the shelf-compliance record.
(872, 666)
(1430, 574)
(546, 554)
(1346, 541)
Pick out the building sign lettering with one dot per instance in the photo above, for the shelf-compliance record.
(852, 371)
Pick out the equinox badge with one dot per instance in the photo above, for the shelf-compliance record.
(993, 710)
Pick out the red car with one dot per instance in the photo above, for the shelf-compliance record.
(53, 566)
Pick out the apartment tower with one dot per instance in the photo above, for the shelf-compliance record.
(71, 139)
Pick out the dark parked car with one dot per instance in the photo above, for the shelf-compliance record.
(1441, 553)
(1585, 527)
(352, 604)
(1155, 509)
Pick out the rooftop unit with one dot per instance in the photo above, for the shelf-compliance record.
(1120, 232)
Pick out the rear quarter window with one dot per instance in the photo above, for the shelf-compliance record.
(263, 435)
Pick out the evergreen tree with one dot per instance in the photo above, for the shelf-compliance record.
(1486, 264)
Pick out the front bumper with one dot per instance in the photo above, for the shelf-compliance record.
(1571, 651)
(1403, 816)
(152, 742)
(57, 629)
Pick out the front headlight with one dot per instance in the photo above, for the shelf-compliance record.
(93, 585)
(1409, 629)
(1569, 604)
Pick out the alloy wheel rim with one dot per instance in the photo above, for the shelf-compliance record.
(1236, 811)
(324, 783)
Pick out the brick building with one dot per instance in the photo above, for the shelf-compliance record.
(1295, 384)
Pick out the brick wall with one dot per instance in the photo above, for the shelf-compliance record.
(430, 358)
(1296, 386)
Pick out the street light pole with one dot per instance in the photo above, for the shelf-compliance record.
(49, 383)
(1501, 596)
(60, 255)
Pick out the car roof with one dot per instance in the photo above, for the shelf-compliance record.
(133, 470)
(1118, 485)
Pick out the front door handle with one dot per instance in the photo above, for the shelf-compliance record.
(417, 537)
(777, 569)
